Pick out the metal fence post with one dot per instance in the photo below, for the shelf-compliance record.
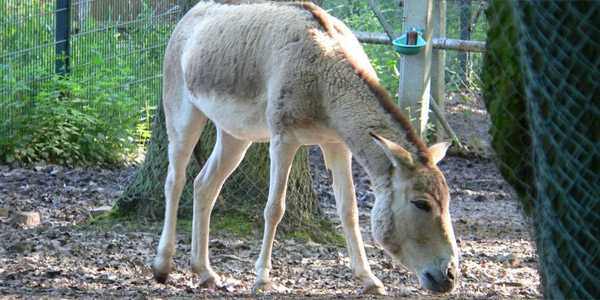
(62, 35)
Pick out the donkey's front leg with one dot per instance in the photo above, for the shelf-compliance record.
(282, 155)
(339, 160)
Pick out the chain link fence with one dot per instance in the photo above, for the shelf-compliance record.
(541, 87)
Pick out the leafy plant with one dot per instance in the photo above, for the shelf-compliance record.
(65, 123)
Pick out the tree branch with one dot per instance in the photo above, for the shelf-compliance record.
(438, 43)
(386, 26)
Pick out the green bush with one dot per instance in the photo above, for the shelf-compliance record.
(67, 123)
(101, 113)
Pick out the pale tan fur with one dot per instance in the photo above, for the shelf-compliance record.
(293, 75)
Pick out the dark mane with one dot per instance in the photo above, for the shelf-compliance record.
(385, 100)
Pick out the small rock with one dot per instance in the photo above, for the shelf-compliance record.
(239, 244)
(369, 197)
(21, 247)
(55, 245)
(4, 212)
(53, 273)
(480, 198)
(510, 260)
(514, 262)
(312, 244)
(27, 218)
(97, 211)
(118, 228)
(216, 243)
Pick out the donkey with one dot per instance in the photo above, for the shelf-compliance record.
(293, 75)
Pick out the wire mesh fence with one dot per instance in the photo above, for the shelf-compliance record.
(113, 46)
(117, 46)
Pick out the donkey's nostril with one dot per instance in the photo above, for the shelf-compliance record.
(450, 274)
(430, 277)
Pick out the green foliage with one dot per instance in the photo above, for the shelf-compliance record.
(98, 114)
(66, 123)
(359, 17)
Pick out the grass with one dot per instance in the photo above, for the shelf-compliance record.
(234, 224)
(325, 235)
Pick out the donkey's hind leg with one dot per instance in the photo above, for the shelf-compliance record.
(282, 156)
(224, 159)
(184, 127)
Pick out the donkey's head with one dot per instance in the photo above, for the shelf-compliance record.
(411, 218)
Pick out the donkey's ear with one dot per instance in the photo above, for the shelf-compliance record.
(438, 151)
(397, 155)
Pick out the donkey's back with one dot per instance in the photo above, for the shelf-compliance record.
(226, 59)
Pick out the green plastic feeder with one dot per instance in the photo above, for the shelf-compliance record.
(403, 48)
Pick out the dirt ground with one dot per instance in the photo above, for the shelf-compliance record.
(64, 256)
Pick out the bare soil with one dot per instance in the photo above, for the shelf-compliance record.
(65, 257)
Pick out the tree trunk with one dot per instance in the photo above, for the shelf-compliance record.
(243, 196)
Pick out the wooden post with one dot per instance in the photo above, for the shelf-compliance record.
(415, 71)
(438, 64)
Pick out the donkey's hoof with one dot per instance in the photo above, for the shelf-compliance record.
(209, 280)
(161, 273)
(374, 289)
(160, 276)
(262, 287)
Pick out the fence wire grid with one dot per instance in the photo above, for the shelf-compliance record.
(541, 87)
(123, 41)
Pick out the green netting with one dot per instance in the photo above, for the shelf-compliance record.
(541, 84)
(561, 79)
(504, 96)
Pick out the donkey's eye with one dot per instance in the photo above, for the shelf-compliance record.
(422, 204)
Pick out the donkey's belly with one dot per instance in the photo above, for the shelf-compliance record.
(242, 118)
(246, 119)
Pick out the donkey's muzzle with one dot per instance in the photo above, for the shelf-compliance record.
(437, 281)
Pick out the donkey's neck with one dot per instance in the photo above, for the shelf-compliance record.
(355, 115)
